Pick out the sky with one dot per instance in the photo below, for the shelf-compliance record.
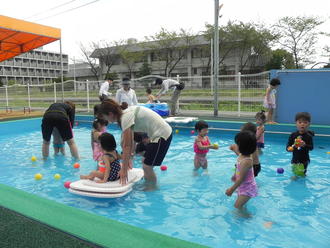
(84, 21)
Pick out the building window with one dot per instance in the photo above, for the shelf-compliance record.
(194, 71)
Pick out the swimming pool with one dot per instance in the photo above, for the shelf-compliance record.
(285, 214)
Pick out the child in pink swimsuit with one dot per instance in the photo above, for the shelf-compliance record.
(243, 178)
(202, 145)
(260, 120)
(99, 127)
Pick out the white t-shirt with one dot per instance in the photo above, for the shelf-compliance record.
(104, 89)
(166, 85)
(146, 121)
(126, 96)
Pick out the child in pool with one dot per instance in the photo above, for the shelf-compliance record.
(270, 99)
(99, 127)
(260, 135)
(151, 97)
(300, 155)
(202, 145)
(244, 180)
(249, 126)
(109, 167)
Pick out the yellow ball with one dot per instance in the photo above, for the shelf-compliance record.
(328, 152)
(57, 176)
(38, 176)
(33, 158)
(177, 131)
(216, 145)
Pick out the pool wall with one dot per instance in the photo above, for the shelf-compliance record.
(303, 91)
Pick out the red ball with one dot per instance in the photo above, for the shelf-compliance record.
(67, 184)
(192, 132)
(163, 167)
(76, 165)
(77, 123)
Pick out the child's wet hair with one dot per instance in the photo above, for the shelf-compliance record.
(108, 142)
(247, 142)
(261, 116)
(275, 82)
(201, 125)
(249, 126)
(305, 116)
(100, 121)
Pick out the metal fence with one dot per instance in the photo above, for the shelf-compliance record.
(238, 95)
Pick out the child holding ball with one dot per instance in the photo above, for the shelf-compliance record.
(202, 145)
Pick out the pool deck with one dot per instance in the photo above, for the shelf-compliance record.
(91, 229)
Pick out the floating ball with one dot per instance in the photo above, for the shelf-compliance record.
(57, 176)
(76, 165)
(215, 145)
(328, 152)
(33, 158)
(280, 170)
(163, 167)
(67, 184)
(192, 132)
(38, 176)
(77, 123)
(177, 131)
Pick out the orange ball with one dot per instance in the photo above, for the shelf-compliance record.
(76, 165)
(290, 148)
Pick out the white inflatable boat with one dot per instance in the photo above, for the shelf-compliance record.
(106, 190)
(183, 120)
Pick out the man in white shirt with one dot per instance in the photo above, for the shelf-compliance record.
(126, 94)
(104, 90)
(166, 85)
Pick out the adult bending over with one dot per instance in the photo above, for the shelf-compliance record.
(59, 116)
(165, 86)
(139, 119)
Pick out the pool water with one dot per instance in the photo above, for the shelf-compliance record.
(286, 213)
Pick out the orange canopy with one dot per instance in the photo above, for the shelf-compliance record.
(17, 36)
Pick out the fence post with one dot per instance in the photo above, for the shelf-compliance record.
(29, 97)
(55, 91)
(7, 102)
(177, 106)
(87, 89)
(239, 93)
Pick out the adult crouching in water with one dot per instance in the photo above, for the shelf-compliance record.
(61, 116)
(139, 119)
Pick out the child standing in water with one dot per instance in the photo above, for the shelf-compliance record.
(251, 127)
(243, 178)
(300, 143)
(260, 134)
(202, 145)
(99, 127)
(109, 167)
(270, 99)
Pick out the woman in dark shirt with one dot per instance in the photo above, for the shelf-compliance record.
(61, 116)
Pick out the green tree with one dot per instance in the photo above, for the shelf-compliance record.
(248, 42)
(170, 47)
(299, 35)
(131, 54)
(144, 70)
(280, 59)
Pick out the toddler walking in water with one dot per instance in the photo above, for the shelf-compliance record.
(260, 134)
(202, 145)
(270, 99)
(243, 178)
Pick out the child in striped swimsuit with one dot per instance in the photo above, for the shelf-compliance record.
(243, 178)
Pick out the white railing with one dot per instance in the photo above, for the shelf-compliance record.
(238, 95)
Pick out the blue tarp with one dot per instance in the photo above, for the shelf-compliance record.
(159, 108)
